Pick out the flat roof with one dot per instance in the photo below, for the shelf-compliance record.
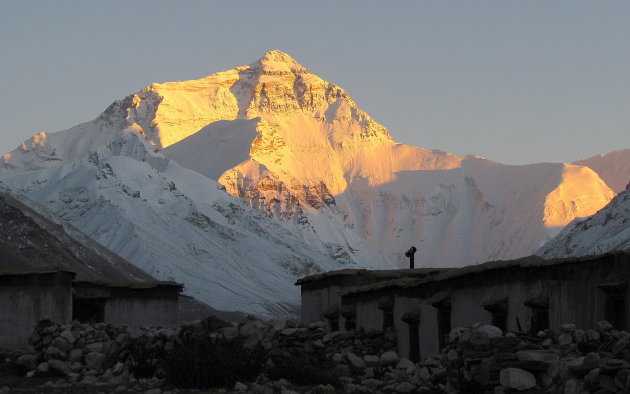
(478, 269)
(44, 271)
(133, 285)
(376, 274)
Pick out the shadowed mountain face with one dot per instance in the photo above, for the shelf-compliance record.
(31, 242)
(328, 185)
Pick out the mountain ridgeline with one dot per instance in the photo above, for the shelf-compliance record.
(239, 182)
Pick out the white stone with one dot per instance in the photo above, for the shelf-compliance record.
(603, 326)
(251, 327)
(456, 333)
(531, 355)
(404, 363)
(593, 334)
(123, 378)
(228, 333)
(43, 368)
(568, 328)
(405, 387)
(317, 324)
(240, 387)
(68, 336)
(94, 347)
(571, 387)
(424, 373)
(580, 336)
(28, 361)
(356, 361)
(75, 355)
(372, 383)
(517, 379)
(487, 331)
(389, 358)
(565, 339)
(371, 360)
(94, 360)
(288, 331)
(118, 368)
(59, 366)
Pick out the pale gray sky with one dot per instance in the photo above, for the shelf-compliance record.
(514, 81)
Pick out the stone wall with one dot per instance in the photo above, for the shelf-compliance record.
(27, 298)
(476, 359)
(510, 295)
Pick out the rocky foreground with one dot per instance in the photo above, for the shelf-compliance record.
(282, 356)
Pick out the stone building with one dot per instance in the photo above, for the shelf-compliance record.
(524, 295)
(49, 270)
(321, 293)
(26, 297)
(29, 296)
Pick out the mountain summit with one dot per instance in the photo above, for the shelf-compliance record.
(277, 61)
(329, 186)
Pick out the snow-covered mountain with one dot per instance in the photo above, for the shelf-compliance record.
(329, 187)
(606, 231)
(612, 167)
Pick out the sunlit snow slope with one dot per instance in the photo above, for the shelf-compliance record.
(177, 224)
(329, 185)
(613, 168)
(607, 230)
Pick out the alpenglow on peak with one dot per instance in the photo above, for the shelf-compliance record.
(275, 88)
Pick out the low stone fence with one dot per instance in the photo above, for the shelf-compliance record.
(478, 359)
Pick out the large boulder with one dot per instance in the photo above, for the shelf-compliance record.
(517, 379)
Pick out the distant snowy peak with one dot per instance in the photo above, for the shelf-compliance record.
(613, 168)
(275, 88)
(142, 179)
(605, 231)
